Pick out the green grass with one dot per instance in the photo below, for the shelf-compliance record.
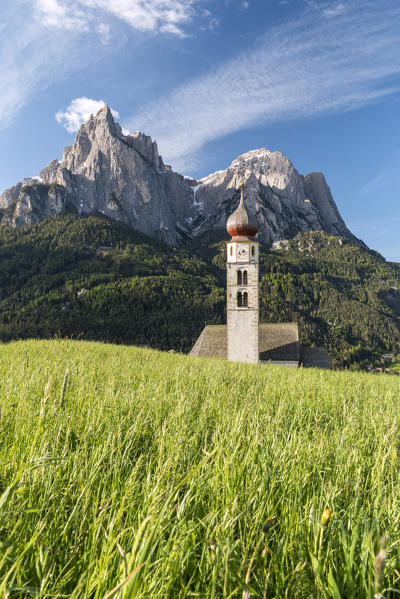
(192, 478)
(395, 366)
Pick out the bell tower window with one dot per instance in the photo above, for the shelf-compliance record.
(253, 251)
(245, 299)
(239, 277)
(245, 277)
(239, 299)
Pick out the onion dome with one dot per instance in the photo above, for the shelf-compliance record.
(238, 224)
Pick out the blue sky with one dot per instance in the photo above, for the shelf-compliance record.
(211, 79)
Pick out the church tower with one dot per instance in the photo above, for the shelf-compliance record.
(242, 287)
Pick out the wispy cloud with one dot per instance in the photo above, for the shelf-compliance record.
(334, 11)
(79, 111)
(45, 40)
(53, 13)
(376, 183)
(165, 16)
(386, 180)
(378, 220)
(380, 233)
(104, 30)
(31, 59)
(312, 66)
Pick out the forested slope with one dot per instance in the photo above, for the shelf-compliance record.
(98, 279)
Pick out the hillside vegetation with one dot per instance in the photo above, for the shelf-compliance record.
(98, 279)
(180, 477)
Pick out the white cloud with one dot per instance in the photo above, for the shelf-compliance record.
(212, 21)
(44, 43)
(32, 58)
(162, 16)
(334, 11)
(54, 13)
(105, 32)
(245, 5)
(79, 111)
(312, 66)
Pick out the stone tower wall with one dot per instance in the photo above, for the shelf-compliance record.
(242, 322)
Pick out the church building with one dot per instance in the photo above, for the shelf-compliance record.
(244, 338)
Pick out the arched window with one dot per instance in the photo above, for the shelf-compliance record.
(239, 277)
(245, 277)
(230, 250)
(253, 250)
(245, 299)
(239, 299)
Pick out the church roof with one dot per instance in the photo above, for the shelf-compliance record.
(279, 342)
(212, 342)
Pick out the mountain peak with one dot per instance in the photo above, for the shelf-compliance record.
(123, 176)
(96, 135)
(252, 154)
(105, 110)
(105, 114)
(103, 119)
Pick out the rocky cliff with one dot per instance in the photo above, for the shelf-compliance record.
(124, 177)
(282, 201)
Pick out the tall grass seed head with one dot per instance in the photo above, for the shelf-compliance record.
(326, 516)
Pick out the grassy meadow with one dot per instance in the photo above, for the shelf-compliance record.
(127, 472)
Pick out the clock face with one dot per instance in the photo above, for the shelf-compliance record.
(243, 251)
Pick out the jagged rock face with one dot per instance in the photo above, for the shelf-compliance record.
(121, 176)
(10, 195)
(279, 199)
(124, 177)
(35, 203)
(319, 194)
